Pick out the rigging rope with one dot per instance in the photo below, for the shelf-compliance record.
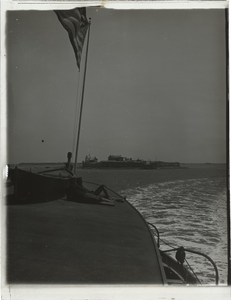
(193, 271)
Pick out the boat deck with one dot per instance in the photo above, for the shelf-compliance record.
(78, 243)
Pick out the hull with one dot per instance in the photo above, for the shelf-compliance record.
(34, 187)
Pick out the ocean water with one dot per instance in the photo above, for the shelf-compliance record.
(187, 205)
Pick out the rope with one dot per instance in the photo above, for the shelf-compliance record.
(193, 271)
(212, 262)
(170, 250)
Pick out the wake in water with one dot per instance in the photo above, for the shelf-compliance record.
(190, 213)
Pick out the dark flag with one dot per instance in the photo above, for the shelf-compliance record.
(76, 24)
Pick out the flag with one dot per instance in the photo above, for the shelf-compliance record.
(76, 24)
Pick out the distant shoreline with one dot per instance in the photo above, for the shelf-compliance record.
(80, 163)
(48, 165)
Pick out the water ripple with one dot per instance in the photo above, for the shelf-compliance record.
(191, 213)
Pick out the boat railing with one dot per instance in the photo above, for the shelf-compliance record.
(202, 254)
(187, 250)
(158, 234)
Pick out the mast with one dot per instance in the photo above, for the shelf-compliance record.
(81, 106)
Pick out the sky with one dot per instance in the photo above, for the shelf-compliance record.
(155, 86)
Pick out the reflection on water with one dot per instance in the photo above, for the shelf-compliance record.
(189, 213)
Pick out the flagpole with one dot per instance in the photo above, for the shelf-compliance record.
(76, 114)
(81, 107)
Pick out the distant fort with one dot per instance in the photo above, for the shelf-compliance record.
(121, 162)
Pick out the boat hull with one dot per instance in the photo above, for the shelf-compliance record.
(32, 187)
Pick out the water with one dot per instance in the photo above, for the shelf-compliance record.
(188, 206)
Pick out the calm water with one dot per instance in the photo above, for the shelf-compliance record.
(188, 206)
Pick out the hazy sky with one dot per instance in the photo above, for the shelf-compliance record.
(155, 86)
